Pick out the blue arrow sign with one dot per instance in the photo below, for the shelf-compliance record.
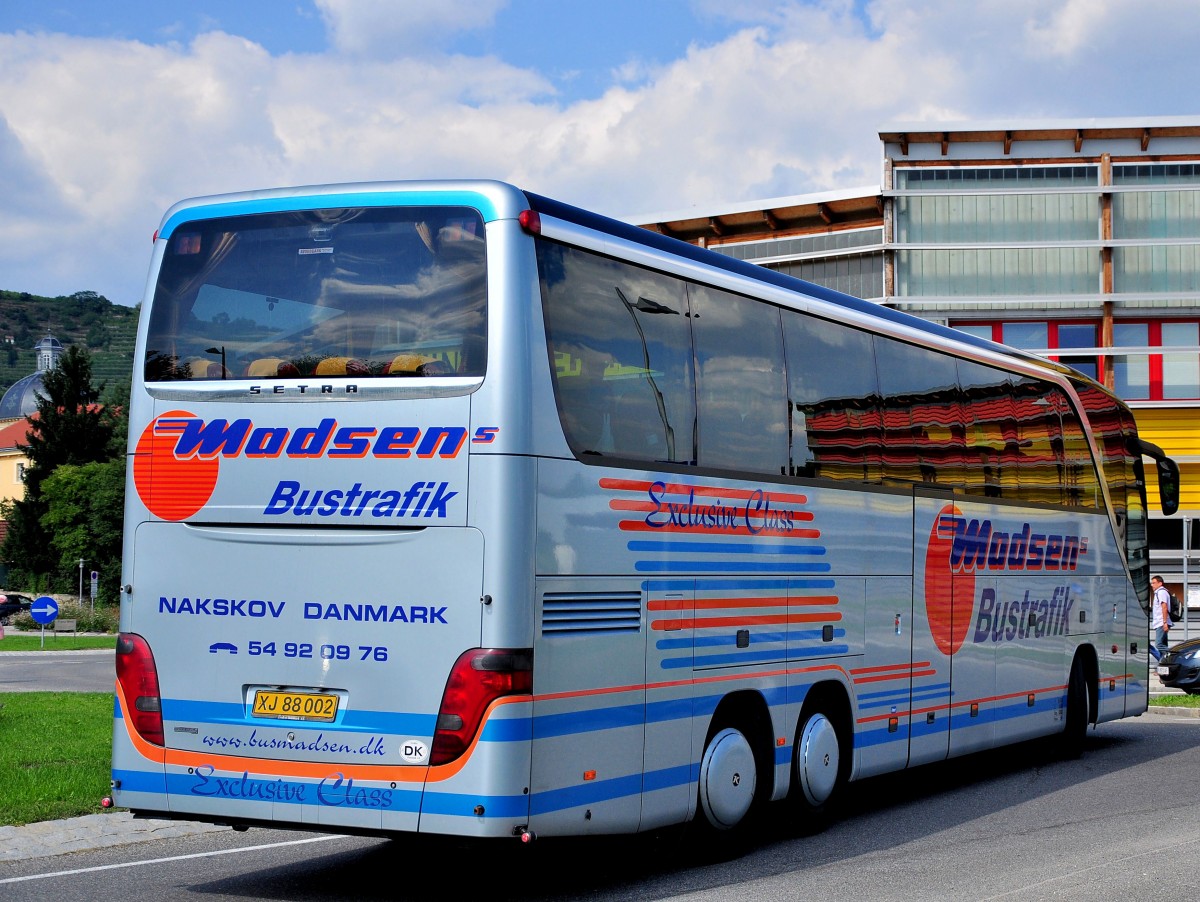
(44, 609)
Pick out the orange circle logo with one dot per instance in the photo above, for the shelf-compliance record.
(949, 596)
(172, 488)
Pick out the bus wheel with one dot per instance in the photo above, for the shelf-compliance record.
(817, 762)
(1079, 705)
(728, 778)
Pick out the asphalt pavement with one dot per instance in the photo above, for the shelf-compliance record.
(118, 828)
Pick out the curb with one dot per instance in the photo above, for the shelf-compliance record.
(1177, 712)
(90, 832)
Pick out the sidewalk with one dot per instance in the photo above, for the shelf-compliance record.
(90, 832)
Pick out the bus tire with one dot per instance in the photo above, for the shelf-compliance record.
(816, 762)
(1079, 707)
(728, 779)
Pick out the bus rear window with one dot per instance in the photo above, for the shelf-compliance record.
(362, 293)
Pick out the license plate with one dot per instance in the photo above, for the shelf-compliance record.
(295, 705)
(1163, 670)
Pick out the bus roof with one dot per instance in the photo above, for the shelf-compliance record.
(674, 246)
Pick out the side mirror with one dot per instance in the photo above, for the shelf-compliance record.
(1168, 476)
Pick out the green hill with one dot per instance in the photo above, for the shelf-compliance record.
(86, 319)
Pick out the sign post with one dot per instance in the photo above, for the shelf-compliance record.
(95, 586)
(44, 610)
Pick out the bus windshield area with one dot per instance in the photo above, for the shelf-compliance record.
(367, 292)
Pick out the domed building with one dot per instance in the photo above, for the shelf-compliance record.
(22, 396)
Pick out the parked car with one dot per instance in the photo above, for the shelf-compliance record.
(1180, 667)
(12, 603)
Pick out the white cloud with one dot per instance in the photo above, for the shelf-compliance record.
(102, 136)
(385, 28)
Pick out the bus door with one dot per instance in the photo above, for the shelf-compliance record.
(974, 662)
(934, 629)
(668, 790)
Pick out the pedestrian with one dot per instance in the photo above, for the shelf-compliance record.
(1160, 614)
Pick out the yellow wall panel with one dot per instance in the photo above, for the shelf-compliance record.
(1175, 430)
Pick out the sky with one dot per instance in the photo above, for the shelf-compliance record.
(112, 110)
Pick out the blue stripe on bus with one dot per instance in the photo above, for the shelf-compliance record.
(906, 699)
(669, 777)
(332, 201)
(752, 657)
(755, 639)
(818, 651)
(728, 567)
(722, 548)
(585, 794)
(959, 722)
(140, 780)
(572, 722)
(356, 721)
(463, 804)
(510, 729)
(880, 736)
(874, 699)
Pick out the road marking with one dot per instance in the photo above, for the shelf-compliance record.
(134, 864)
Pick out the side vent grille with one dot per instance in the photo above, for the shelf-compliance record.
(591, 612)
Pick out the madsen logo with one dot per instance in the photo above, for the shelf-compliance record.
(178, 459)
(960, 548)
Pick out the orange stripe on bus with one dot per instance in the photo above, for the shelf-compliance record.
(683, 604)
(961, 704)
(881, 668)
(760, 620)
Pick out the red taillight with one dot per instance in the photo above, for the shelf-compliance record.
(478, 678)
(530, 221)
(139, 681)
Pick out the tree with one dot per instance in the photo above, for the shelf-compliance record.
(69, 428)
(80, 503)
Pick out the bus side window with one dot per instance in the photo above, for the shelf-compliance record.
(624, 328)
(1040, 431)
(834, 395)
(742, 398)
(1081, 486)
(921, 414)
(585, 407)
(990, 430)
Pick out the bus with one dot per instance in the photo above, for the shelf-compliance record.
(456, 510)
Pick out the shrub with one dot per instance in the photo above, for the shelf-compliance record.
(104, 619)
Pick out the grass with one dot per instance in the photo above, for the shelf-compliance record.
(33, 642)
(55, 754)
(1176, 701)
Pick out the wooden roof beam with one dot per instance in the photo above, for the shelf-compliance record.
(1078, 140)
(904, 143)
(771, 220)
(714, 223)
(825, 213)
(1007, 143)
(1145, 139)
(945, 143)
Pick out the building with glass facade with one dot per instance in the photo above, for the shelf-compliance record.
(1076, 240)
